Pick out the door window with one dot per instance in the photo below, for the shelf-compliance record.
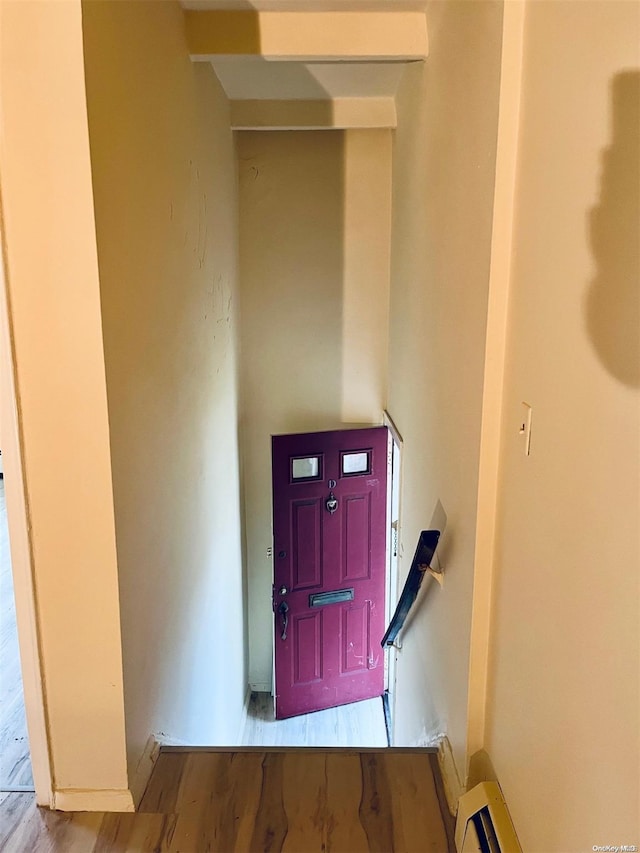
(305, 468)
(355, 462)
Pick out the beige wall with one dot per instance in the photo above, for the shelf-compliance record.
(443, 187)
(365, 281)
(314, 249)
(563, 693)
(164, 180)
(54, 302)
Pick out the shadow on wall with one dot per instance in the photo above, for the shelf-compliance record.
(613, 301)
(233, 32)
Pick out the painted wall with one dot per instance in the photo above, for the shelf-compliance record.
(443, 187)
(563, 693)
(164, 181)
(54, 317)
(314, 249)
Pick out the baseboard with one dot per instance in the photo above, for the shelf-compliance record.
(386, 710)
(244, 715)
(166, 740)
(141, 775)
(92, 800)
(453, 789)
(260, 686)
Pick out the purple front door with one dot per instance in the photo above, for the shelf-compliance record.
(329, 514)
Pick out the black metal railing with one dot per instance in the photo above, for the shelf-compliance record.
(427, 544)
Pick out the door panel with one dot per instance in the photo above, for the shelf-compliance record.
(356, 525)
(329, 499)
(307, 648)
(357, 638)
(306, 543)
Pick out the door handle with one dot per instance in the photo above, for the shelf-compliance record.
(283, 610)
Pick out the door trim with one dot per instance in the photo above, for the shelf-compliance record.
(20, 549)
(391, 654)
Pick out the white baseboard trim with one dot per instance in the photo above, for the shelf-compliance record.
(244, 715)
(139, 779)
(260, 686)
(453, 789)
(92, 800)
(167, 740)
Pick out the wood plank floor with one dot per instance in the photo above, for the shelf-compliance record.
(360, 724)
(15, 764)
(296, 800)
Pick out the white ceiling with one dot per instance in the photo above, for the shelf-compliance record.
(254, 78)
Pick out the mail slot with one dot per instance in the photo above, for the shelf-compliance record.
(319, 599)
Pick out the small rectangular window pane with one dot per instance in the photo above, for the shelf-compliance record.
(355, 463)
(306, 468)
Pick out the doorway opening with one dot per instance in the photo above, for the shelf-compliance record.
(334, 587)
(15, 761)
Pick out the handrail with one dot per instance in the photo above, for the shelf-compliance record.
(425, 550)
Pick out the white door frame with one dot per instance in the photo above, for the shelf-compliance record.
(21, 551)
(392, 562)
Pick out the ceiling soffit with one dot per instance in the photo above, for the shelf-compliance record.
(282, 53)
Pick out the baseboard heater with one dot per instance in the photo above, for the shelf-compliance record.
(483, 824)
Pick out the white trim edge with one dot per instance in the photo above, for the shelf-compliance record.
(453, 789)
(139, 779)
(388, 421)
(20, 549)
(506, 174)
(260, 686)
(167, 740)
(92, 800)
(244, 716)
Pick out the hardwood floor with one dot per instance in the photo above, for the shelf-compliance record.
(295, 800)
(15, 764)
(360, 724)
